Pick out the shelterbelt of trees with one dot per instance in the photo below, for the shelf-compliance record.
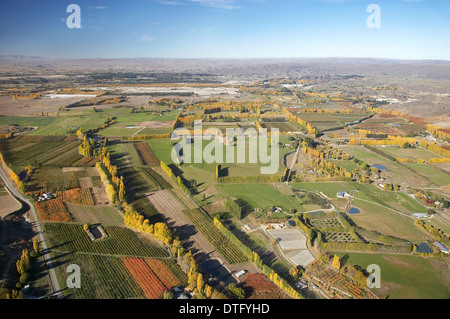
(438, 132)
(440, 150)
(296, 119)
(391, 140)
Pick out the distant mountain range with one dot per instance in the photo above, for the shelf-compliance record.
(236, 69)
(332, 60)
(21, 58)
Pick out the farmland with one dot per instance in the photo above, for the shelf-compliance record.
(260, 195)
(141, 223)
(18, 152)
(79, 196)
(331, 121)
(51, 179)
(105, 215)
(146, 154)
(405, 277)
(53, 210)
(205, 225)
(258, 286)
(153, 276)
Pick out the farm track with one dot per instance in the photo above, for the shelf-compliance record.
(166, 204)
(99, 196)
(169, 207)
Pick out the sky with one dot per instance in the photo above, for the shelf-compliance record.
(409, 29)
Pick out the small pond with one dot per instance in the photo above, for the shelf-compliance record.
(380, 167)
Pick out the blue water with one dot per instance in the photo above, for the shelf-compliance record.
(380, 167)
(354, 211)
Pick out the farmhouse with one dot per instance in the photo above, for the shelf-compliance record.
(46, 196)
(342, 194)
(441, 247)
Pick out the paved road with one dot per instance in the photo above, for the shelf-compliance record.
(47, 258)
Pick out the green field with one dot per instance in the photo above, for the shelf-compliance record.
(44, 153)
(121, 242)
(385, 221)
(405, 277)
(367, 192)
(260, 195)
(27, 120)
(162, 148)
(436, 176)
(128, 124)
(409, 153)
(329, 121)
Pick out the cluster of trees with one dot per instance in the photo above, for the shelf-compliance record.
(438, 132)
(230, 106)
(141, 137)
(20, 184)
(218, 171)
(436, 233)
(116, 180)
(306, 125)
(196, 280)
(212, 110)
(392, 187)
(235, 209)
(439, 160)
(114, 185)
(337, 154)
(109, 188)
(287, 175)
(382, 111)
(5, 136)
(313, 152)
(160, 230)
(23, 265)
(184, 184)
(445, 152)
(87, 148)
(336, 263)
(429, 198)
(391, 140)
(369, 134)
(326, 168)
(325, 111)
(353, 272)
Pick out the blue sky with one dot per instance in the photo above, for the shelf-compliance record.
(410, 29)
